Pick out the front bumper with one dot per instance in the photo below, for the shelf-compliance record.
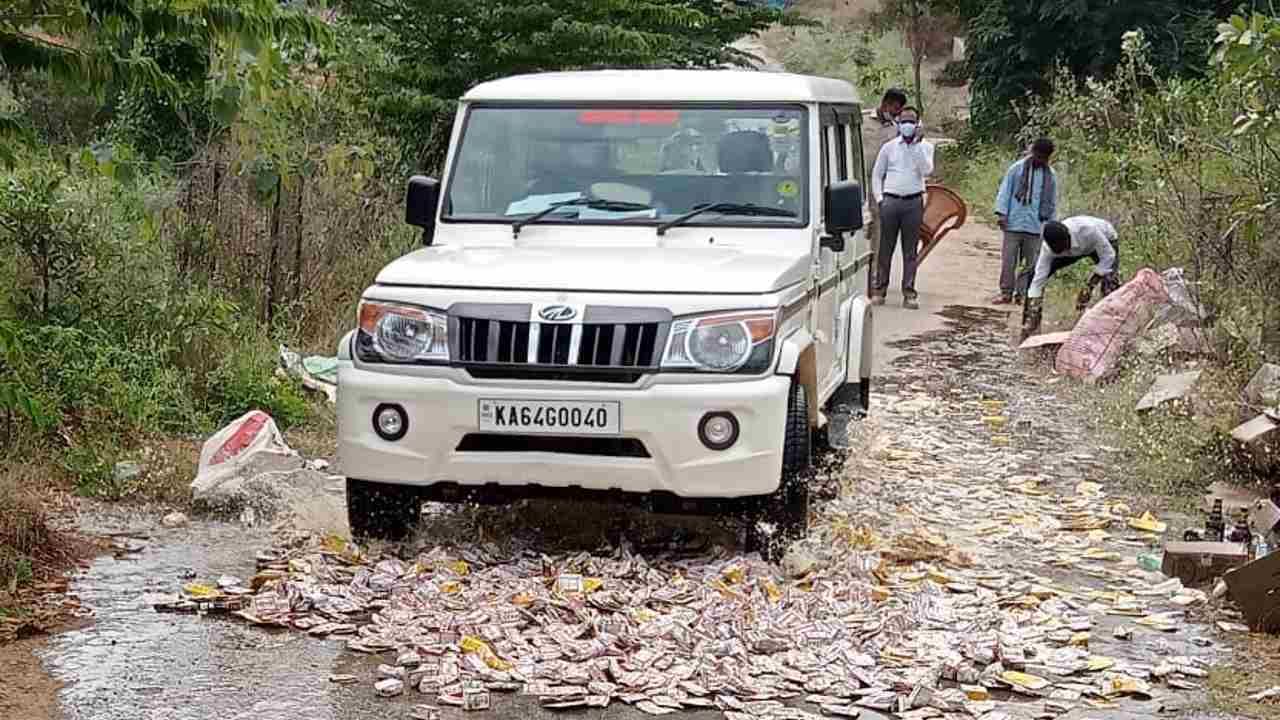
(661, 412)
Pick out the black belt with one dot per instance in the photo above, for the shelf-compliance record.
(903, 197)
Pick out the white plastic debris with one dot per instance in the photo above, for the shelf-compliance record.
(174, 520)
(1263, 389)
(1168, 388)
(316, 372)
(126, 470)
(250, 445)
(1265, 695)
(389, 687)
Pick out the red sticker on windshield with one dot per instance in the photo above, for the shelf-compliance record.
(629, 117)
(657, 117)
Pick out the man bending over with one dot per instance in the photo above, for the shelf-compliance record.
(1065, 243)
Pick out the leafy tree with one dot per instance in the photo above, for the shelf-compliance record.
(920, 24)
(1013, 44)
(1248, 57)
(202, 55)
(433, 51)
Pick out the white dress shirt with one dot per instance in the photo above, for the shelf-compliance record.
(1088, 235)
(901, 168)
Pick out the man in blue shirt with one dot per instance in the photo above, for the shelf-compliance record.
(1028, 198)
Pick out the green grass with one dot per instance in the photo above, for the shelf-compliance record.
(1229, 687)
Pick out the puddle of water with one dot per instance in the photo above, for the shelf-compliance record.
(133, 662)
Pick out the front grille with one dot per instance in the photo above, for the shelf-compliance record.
(603, 447)
(501, 338)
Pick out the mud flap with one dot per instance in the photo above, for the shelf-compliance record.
(852, 401)
(848, 405)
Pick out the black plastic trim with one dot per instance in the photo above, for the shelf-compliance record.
(702, 435)
(561, 445)
(404, 424)
(660, 502)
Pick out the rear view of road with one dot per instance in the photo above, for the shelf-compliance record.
(961, 543)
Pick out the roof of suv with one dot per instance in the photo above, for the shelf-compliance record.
(665, 86)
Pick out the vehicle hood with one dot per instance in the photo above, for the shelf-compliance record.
(722, 270)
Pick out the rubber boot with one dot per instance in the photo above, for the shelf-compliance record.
(1031, 315)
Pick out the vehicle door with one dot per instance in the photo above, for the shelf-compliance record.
(838, 163)
(855, 261)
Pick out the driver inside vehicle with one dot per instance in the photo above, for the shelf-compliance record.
(682, 154)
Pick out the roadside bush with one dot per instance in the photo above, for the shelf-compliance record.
(873, 63)
(245, 380)
(22, 533)
(1187, 171)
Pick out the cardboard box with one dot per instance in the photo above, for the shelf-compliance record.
(1256, 589)
(1195, 563)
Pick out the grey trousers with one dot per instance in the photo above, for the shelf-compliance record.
(1018, 247)
(899, 218)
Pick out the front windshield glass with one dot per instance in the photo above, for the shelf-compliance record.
(638, 165)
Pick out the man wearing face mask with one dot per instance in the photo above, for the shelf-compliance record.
(878, 129)
(898, 184)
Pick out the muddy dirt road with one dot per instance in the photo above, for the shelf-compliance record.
(926, 456)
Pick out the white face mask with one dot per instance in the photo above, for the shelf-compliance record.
(907, 128)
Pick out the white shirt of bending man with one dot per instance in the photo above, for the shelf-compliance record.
(901, 168)
(1088, 235)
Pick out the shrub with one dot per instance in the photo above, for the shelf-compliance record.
(246, 380)
(23, 532)
(954, 74)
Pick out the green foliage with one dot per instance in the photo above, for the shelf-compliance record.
(16, 397)
(93, 467)
(1185, 168)
(1248, 55)
(50, 235)
(23, 572)
(168, 64)
(872, 64)
(1013, 45)
(433, 51)
(246, 380)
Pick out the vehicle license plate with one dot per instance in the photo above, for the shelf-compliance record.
(550, 417)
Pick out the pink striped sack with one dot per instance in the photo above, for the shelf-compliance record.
(1093, 351)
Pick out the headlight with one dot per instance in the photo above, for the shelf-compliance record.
(401, 334)
(728, 342)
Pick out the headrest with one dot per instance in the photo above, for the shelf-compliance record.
(745, 151)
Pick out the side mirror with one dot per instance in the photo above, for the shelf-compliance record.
(843, 208)
(420, 205)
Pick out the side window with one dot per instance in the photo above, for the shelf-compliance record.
(841, 145)
(826, 154)
(842, 152)
(857, 166)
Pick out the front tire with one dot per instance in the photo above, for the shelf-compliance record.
(381, 510)
(787, 508)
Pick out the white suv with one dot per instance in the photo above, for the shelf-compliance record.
(648, 283)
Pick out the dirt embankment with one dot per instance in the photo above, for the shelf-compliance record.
(34, 560)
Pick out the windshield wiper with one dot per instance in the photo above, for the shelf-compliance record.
(724, 207)
(593, 203)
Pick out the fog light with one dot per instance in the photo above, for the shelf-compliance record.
(718, 430)
(390, 422)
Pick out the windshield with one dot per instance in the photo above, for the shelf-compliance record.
(645, 165)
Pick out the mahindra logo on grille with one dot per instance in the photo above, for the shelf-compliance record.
(557, 313)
